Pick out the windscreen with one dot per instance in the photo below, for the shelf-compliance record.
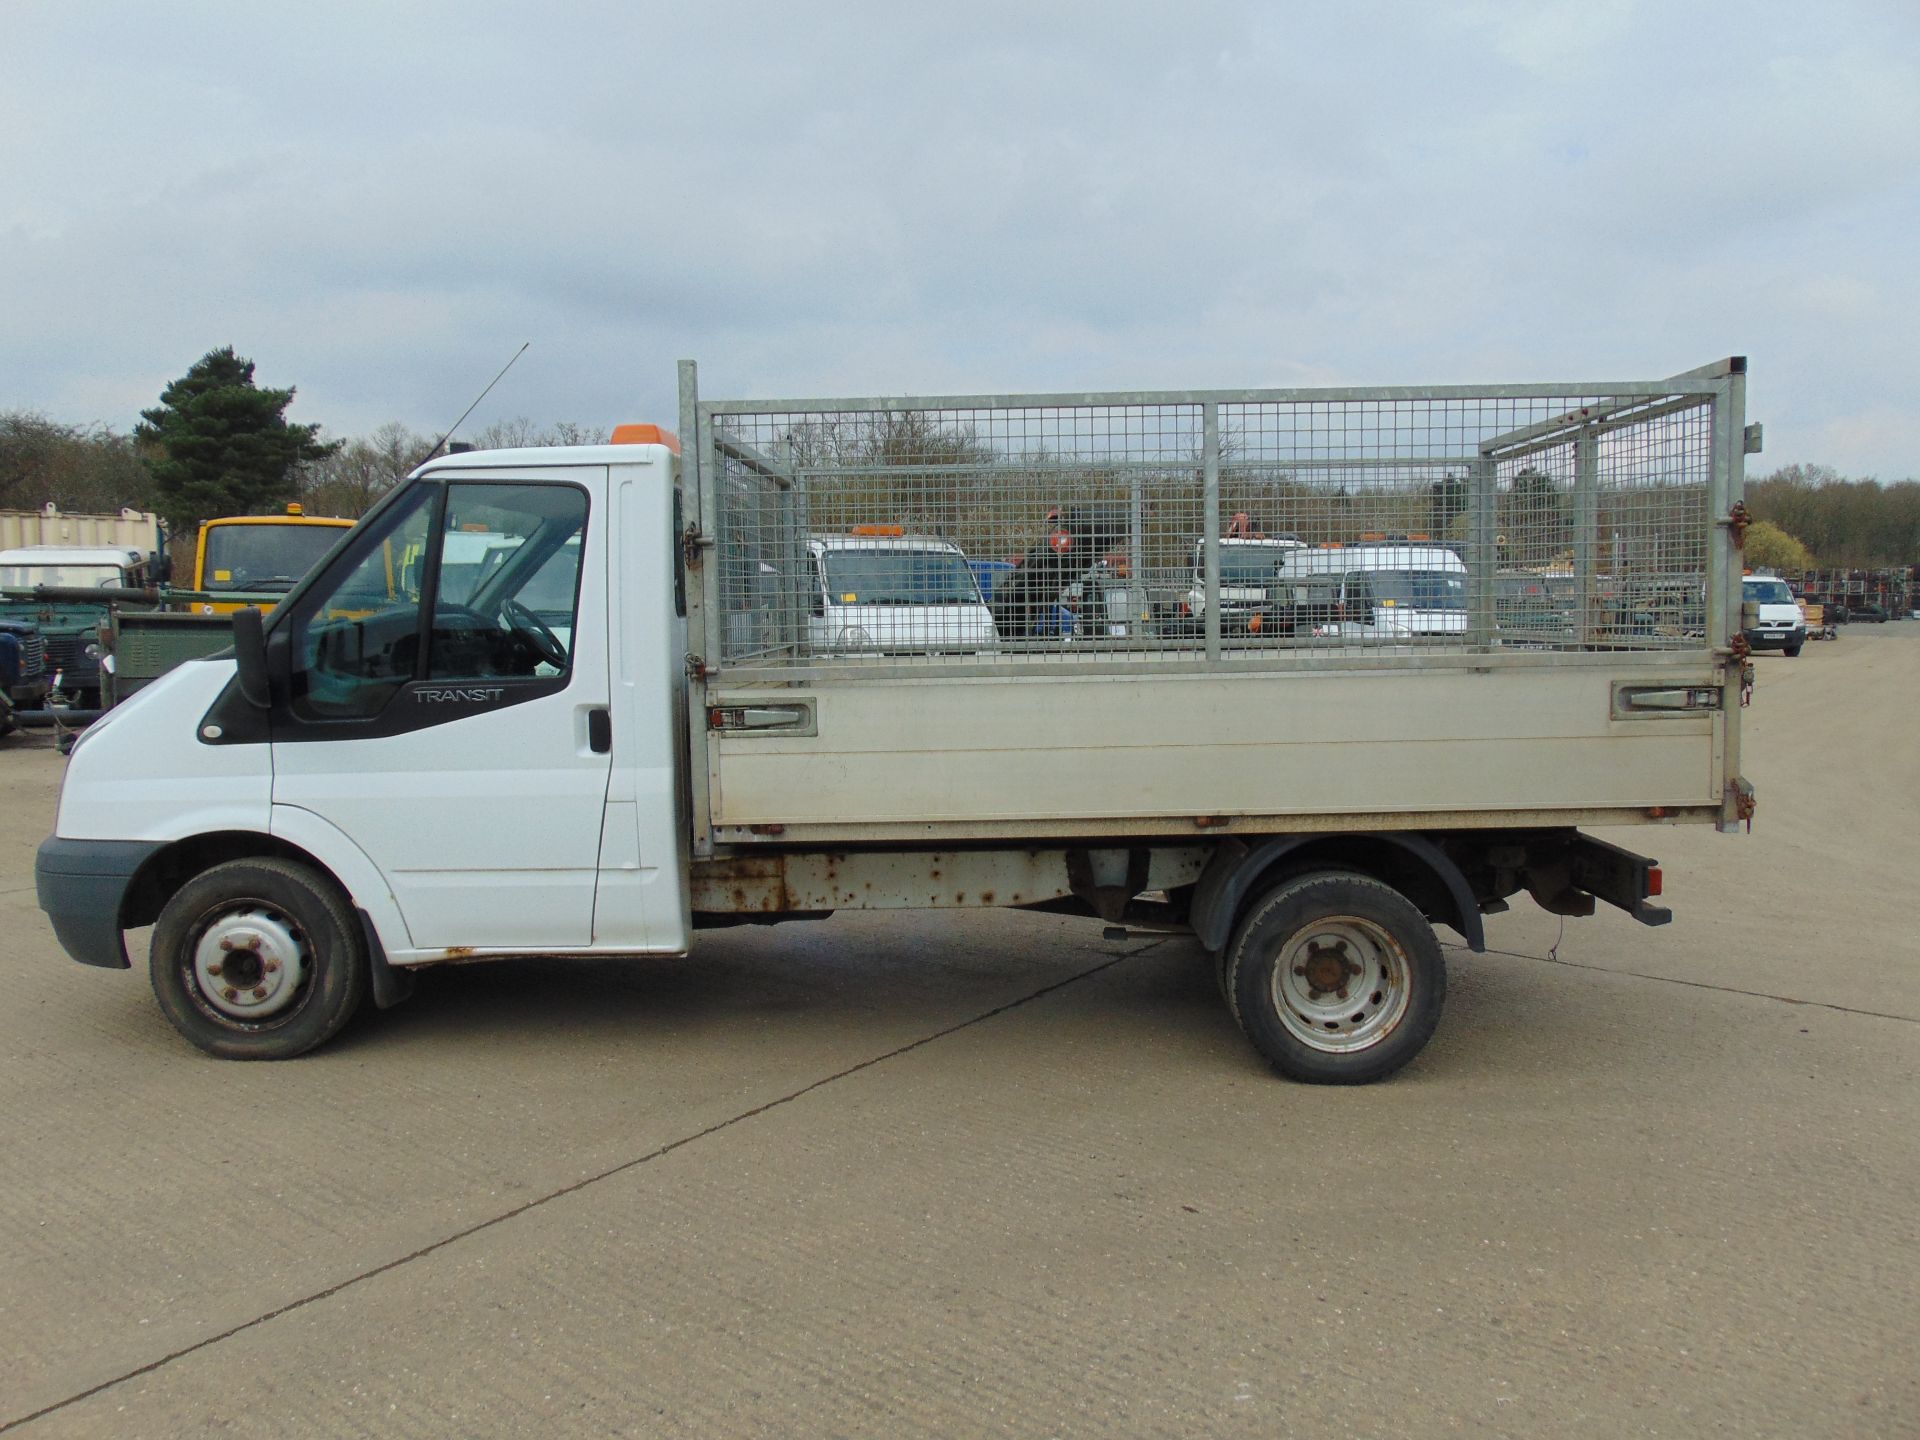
(898, 577)
(1420, 589)
(91, 577)
(264, 557)
(1767, 592)
(1242, 565)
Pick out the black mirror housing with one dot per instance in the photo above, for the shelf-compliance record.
(250, 657)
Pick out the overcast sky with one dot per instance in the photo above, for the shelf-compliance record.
(378, 202)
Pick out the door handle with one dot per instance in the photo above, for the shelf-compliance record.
(599, 731)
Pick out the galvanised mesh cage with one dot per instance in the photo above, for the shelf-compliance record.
(1237, 529)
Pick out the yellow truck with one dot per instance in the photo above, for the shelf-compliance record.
(254, 559)
(260, 554)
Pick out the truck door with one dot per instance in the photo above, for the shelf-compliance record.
(461, 743)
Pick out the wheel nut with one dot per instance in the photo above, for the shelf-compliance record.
(226, 942)
(272, 965)
(230, 993)
(213, 969)
(260, 993)
(1301, 971)
(1341, 992)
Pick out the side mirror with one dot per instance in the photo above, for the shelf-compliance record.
(160, 566)
(250, 657)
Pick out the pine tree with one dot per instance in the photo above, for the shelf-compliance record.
(222, 445)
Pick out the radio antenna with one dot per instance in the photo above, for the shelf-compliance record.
(476, 402)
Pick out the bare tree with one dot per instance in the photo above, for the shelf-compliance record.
(348, 481)
(87, 468)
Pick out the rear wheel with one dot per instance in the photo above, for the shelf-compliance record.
(1336, 978)
(258, 960)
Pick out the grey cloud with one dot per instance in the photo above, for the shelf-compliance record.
(379, 203)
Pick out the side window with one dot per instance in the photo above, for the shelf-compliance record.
(508, 582)
(1359, 595)
(356, 637)
(500, 566)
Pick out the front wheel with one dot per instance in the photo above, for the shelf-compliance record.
(258, 960)
(1793, 652)
(1336, 978)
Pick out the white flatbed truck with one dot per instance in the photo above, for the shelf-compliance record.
(378, 779)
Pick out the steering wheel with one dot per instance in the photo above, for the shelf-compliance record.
(532, 629)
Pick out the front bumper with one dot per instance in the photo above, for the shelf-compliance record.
(81, 885)
(1775, 639)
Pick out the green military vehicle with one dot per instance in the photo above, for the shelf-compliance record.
(70, 623)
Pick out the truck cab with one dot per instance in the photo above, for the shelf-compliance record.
(1379, 591)
(397, 694)
(880, 591)
(260, 554)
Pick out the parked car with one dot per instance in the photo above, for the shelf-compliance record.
(70, 628)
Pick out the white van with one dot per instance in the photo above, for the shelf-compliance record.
(1380, 592)
(1769, 616)
(881, 591)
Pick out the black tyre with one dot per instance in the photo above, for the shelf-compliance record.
(1336, 978)
(258, 960)
(1793, 652)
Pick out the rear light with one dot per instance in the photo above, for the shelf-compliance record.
(1653, 881)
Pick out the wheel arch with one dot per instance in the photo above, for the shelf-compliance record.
(162, 874)
(1411, 864)
(173, 865)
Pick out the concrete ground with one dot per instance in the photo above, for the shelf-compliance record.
(993, 1175)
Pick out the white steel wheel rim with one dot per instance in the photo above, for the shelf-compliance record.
(1342, 983)
(251, 962)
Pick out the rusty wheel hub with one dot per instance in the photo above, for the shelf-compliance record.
(250, 962)
(1326, 968)
(1342, 982)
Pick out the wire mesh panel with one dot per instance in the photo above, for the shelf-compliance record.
(1254, 528)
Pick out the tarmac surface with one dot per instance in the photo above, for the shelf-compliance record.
(991, 1174)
